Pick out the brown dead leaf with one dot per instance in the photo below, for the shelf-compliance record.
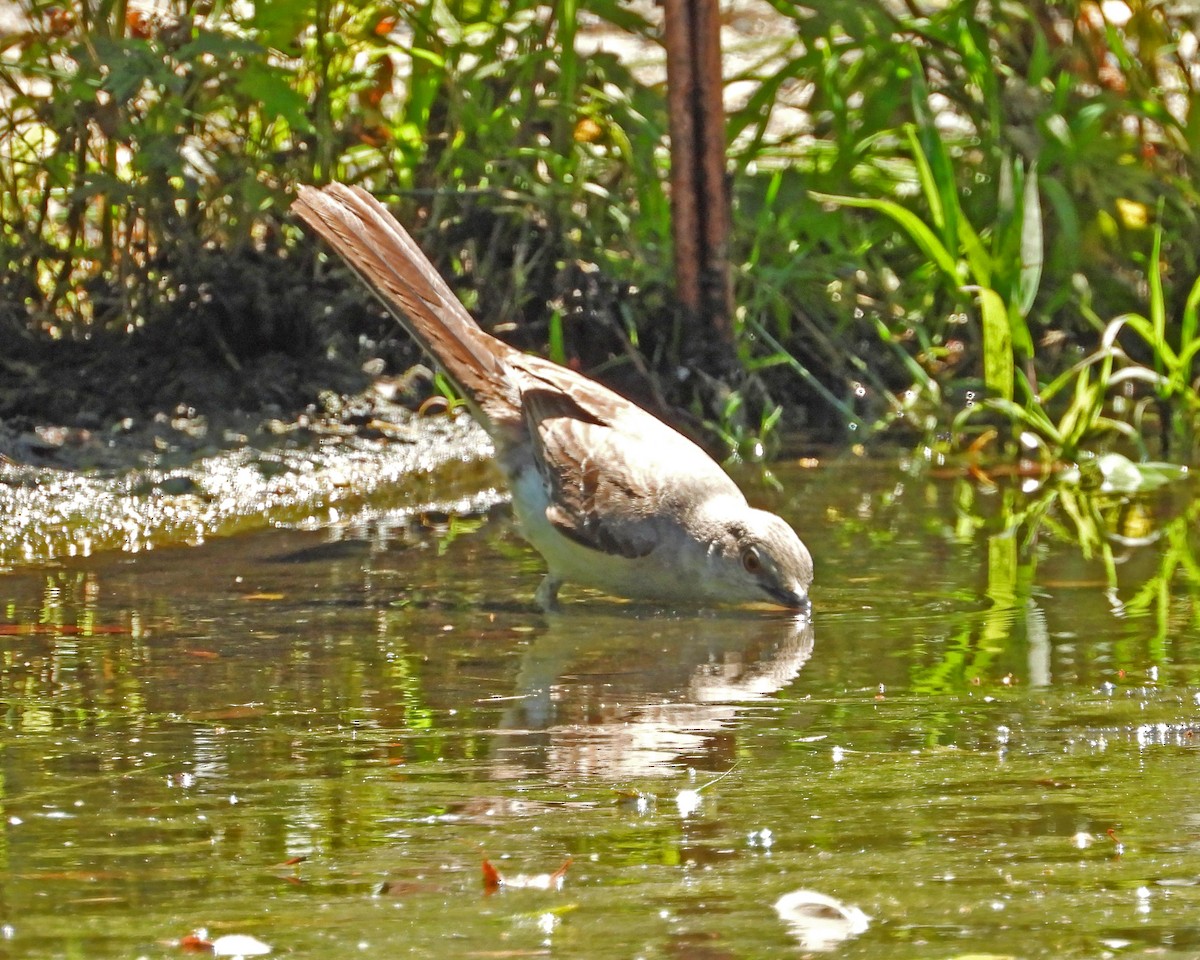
(491, 876)
(197, 942)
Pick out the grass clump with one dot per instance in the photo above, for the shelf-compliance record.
(977, 219)
(978, 185)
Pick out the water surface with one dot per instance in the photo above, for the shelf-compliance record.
(984, 740)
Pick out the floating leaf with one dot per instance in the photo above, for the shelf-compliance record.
(541, 881)
(491, 876)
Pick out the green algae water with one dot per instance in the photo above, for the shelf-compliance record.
(984, 742)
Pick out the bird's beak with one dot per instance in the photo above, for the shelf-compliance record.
(792, 599)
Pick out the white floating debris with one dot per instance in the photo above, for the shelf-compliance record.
(818, 921)
(239, 945)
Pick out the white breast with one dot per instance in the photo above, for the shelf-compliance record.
(674, 570)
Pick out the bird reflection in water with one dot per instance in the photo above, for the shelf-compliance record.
(606, 695)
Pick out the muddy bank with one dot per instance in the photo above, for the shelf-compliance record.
(105, 474)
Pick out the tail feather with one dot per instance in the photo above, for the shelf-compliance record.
(385, 256)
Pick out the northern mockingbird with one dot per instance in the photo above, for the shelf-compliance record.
(611, 496)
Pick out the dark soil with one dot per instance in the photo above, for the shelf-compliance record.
(119, 401)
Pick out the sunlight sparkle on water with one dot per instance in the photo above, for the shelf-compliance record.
(688, 802)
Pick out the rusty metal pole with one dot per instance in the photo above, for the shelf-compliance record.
(700, 216)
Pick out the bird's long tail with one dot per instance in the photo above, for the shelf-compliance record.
(389, 261)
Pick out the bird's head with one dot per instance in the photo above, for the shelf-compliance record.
(764, 561)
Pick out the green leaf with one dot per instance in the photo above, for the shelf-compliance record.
(759, 107)
(1165, 357)
(620, 16)
(1040, 61)
(1050, 390)
(556, 349)
(998, 366)
(131, 66)
(1181, 375)
(270, 87)
(280, 22)
(1032, 252)
(219, 46)
(420, 53)
(1082, 412)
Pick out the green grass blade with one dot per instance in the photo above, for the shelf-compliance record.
(1158, 307)
(1066, 215)
(979, 260)
(915, 370)
(568, 75)
(556, 347)
(1191, 311)
(925, 178)
(1165, 358)
(1050, 391)
(1033, 417)
(917, 230)
(807, 376)
(929, 150)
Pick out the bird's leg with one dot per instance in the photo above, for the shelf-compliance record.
(547, 592)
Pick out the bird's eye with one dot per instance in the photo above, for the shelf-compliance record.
(751, 561)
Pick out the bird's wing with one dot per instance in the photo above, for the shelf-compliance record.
(594, 450)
